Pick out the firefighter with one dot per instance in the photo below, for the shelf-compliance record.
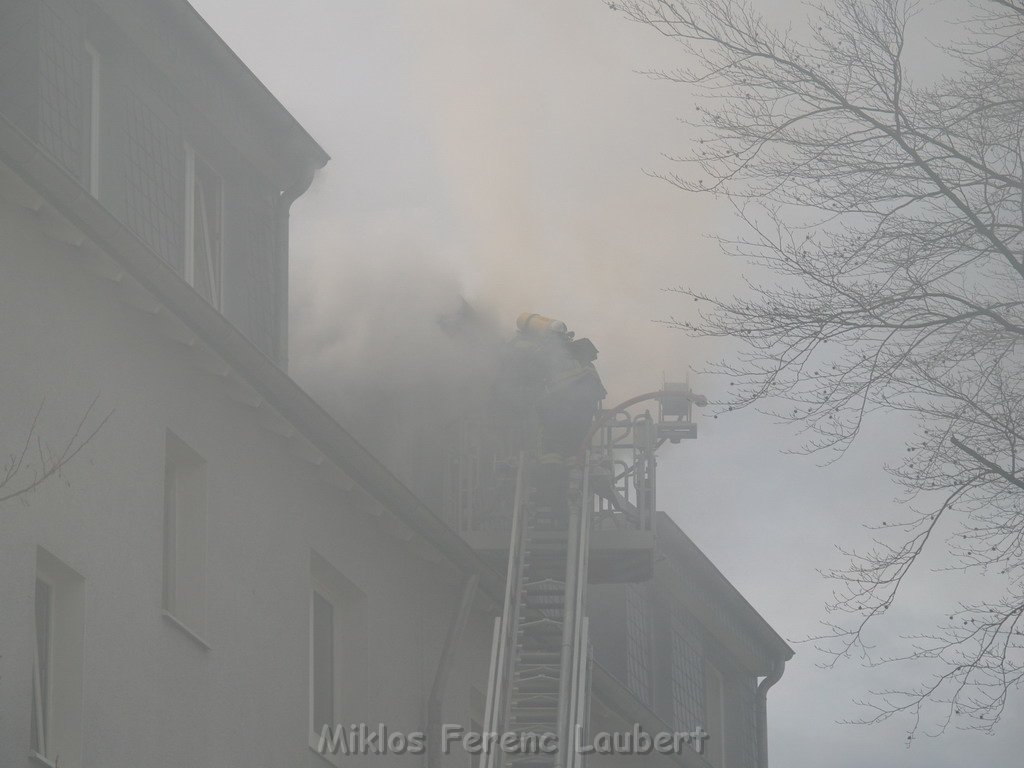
(555, 377)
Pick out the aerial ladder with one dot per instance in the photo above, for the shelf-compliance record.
(538, 692)
(538, 689)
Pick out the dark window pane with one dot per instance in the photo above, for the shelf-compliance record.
(41, 678)
(323, 662)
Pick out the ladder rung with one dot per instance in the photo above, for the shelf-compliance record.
(544, 622)
(536, 687)
(536, 697)
(530, 677)
(534, 655)
(534, 669)
(545, 582)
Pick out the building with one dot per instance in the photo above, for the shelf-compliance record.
(223, 566)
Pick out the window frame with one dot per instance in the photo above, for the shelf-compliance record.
(181, 457)
(93, 122)
(59, 734)
(216, 298)
(317, 588)
(714, 711)
(639, 642)
(689, 687)
(42, 711)
(746, 689)
(350, 646)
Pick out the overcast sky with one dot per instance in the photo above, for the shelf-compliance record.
(497, 149)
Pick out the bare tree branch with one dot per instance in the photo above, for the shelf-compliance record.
(21, 474)
(885, 205)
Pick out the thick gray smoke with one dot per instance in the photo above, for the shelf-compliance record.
(495, 151)
(399, 354)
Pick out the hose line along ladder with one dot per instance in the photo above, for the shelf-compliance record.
(538, 690)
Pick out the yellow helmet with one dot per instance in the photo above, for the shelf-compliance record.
(533, 323)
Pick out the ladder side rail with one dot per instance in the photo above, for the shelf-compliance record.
(568, 634)
(513, 603)
(581, 624)
(580, 725)
(574, 608)
(486, 759)
(651, 489)
(508, 621)
(587, 690)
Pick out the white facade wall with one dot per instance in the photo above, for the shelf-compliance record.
(152, 694)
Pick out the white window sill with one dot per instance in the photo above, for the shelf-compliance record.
(177, 623)
(40, 760)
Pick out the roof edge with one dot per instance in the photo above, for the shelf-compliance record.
(693, 556)
(322, 157)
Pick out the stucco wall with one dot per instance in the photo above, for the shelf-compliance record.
(152, 695)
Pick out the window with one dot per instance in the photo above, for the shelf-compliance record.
(93, 62)
(747, 722)
(338, 649)
(203, 227)
(322, 651)
(41, 688)
(184, 597)
(687, 676)
(56, 715)
(715, 726)
(638, 642)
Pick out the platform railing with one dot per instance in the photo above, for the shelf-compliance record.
(479, 474)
